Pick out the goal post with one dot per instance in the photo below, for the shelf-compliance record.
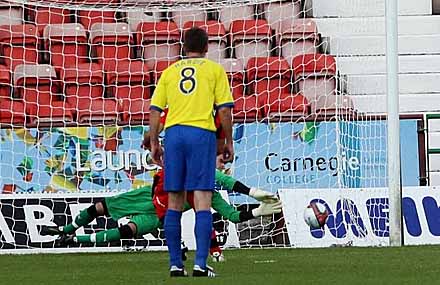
(394, 172)
(310, 80)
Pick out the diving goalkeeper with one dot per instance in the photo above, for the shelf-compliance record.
(145, 216)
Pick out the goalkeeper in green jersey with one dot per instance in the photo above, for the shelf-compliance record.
(144, 217)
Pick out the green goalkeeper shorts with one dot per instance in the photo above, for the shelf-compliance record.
(129, 204)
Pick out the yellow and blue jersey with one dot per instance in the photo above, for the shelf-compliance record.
(191, 88)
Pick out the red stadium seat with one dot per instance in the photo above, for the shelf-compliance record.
(271, 74)
(67, 44)
(12, 112)
(111, 42)
(250, 38)
(277, 12)
(129, 80)
(38, 87)
(5, 82)
(314, 64)
(11, 14)
(235, 71)
(159, 40)
(84, 91)
(283, 106)
(18, 45)
(217, 37)
(227, 14)
(184, 16)
(315, 75)
(130, 84)
(83, 81)
(88, 18)
(159, 67)
(135, 111)
(298, 37)
(34, 81)
(246, 109)
(43, 16)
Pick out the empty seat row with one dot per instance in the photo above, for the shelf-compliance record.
(79, 95)
(57, 112)
(274, 13)
(41, 16)
(247, 37)
(260, 74)
(67, 44)
(83, 89)
(269, 81)
(272, 74)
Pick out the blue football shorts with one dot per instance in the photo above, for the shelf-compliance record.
(189, 159)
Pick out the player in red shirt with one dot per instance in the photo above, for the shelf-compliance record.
(160, 201)
(160, 196)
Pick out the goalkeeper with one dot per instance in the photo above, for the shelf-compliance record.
(138, 206)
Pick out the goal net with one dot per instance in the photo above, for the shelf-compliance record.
(76, 78)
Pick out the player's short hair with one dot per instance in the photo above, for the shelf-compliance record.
(196, 40)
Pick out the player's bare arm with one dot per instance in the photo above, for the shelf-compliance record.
(226, 122)
(156, 149)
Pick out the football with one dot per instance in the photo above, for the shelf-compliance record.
(316, 215)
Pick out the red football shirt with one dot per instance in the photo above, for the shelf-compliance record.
(160, 196)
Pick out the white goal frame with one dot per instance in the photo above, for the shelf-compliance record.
(394, 175)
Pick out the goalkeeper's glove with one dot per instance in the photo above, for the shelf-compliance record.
(267, 209)
(263, 196)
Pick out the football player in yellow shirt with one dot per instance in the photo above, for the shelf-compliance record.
(190, 89)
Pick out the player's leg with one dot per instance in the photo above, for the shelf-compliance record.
(137, 226)
(173, 229)
(84, 218)
(201, 180)
(127, 231)
(203, 226)
(215, 250)
(175, 170)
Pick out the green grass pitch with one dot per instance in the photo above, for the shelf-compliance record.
(406, 265)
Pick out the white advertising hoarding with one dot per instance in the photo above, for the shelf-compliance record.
(21, 217)
(359, 217)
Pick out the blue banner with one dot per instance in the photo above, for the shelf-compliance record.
(270, 156)
(321, 155)
(73, 159)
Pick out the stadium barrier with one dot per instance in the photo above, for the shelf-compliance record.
(53, 170)
(22, 216)
(359, 217)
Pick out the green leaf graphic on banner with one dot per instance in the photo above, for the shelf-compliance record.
(25, 166)
(308, 133)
